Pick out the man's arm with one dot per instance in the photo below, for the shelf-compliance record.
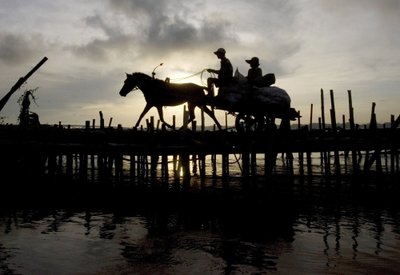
(213, 71)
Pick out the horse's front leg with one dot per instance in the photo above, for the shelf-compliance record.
(144, 112)
(161, 115)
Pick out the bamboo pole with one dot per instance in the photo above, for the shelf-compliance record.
(19, 83)
(322, 110)
(353, 129)
(101, 120)
(324, 158)
(334, 129)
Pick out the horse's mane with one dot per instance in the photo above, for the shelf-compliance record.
(141, 74)
(147, 77)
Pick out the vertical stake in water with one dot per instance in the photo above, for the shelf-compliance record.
(308, 153)
(334, 130)
(324, 158)
(352, 128)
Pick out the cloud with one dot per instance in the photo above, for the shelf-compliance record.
(16, 49)
(308, 44)
(152, 29)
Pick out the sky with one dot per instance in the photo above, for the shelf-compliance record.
(309, 45)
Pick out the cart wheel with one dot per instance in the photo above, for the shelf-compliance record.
(249, 123)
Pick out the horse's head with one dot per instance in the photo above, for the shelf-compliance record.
(129, 85)
(134, 81)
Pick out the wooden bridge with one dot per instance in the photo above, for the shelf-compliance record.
(151, 156)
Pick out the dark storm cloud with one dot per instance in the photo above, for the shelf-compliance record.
(16, 49)
(153, 28)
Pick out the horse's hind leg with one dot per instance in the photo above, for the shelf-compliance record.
(191, 112)
(211, 114)
(161, 115)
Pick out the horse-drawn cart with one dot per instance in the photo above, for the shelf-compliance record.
(254, 108)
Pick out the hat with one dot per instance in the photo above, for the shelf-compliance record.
(253, 61)
(220, 50)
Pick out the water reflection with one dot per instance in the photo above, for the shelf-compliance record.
(314, 230)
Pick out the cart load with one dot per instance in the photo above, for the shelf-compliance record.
(240, 96)
(255, 106)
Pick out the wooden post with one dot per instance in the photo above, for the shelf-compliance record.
(176, 168)
(322, 110)
(311, 117)
(101, 120)
(245, 164)
(132, 168)
(324, 154)
(309, 163)
(164, 169)
(376, 156)
(319, 123)
(119, 158)
(373, 124)
(333, 112)
(346, 152)
(202, 159)
(225, 165)
(392, 149)
(344, 122)
(214, 165)
(301, 163)
(185, 162)
(300, 153)
(185, 118)
(153, 167)
(334, 130)
(194, 162)
(353, 129)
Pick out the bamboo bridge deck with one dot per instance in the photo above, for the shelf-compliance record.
(129, 155)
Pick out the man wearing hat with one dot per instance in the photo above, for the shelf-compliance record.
(254, 75)
(225, 73)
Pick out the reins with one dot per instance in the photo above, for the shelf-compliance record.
(192, 75)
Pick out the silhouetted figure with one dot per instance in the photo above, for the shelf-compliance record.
(254, 75)
(225, 73)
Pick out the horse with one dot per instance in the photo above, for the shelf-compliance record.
(160, 93)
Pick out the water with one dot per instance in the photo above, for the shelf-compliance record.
(284, 227)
